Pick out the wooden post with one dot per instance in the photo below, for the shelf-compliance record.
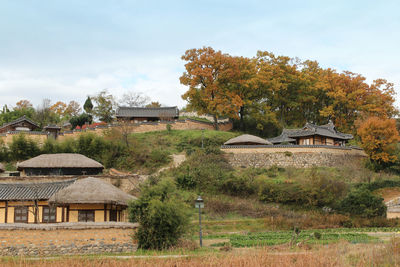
(62, 214)
(6, 212)
(105, 212)
(68, 213)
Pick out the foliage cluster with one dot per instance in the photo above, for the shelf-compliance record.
(162, 215)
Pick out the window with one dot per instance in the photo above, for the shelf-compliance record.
(21, 214)
(86, 216)
(49, 214)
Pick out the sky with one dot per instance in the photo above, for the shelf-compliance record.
(67, 50)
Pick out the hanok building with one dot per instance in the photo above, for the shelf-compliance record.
(312, 134)
(23, 124)
(86, 200)
(60, 164)
(140, 114)
(52, 130)
(246, 139)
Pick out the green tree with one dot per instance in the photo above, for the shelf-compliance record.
(104, 109)
(88, 106)
(162, 215)
(363, 203)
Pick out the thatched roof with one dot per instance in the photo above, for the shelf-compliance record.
(91, 191)
(2, 169)
(62, 160)
(247, 139)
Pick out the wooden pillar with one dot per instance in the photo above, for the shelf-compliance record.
(6, 212)
(105, 212)
(62, 214)
(68, 213)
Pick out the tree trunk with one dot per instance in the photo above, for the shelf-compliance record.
(241, 113)
(215, 122)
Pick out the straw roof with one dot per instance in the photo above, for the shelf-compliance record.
(91, 191)
(62, 160)
(247, 139)
(2, 169)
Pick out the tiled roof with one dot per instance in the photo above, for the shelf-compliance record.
(23, 118)
(281, 139)
(124, 112)
(31, 191)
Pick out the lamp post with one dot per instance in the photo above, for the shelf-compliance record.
(200, 204)
(202, 138)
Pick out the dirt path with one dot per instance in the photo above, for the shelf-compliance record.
(177, 159)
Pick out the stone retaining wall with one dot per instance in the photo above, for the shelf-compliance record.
(298, 157)
(66, 239)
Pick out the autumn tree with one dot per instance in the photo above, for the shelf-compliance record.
(209, 74)
(59, 108)
(379, 138)
(73, 109)
(23, 104)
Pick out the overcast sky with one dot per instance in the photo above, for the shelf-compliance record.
(66, 50)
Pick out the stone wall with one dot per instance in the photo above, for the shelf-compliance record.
(66, 239)
(142, 127)
(290, 156)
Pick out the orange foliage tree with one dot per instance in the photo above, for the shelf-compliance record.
(379, 139)
(209, 75)
(23, 104)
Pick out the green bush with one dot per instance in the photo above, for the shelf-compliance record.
(363, 203)
(284, 193)
(163, 216)
(22, 148)
(238, 185)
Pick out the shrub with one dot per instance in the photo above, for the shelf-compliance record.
(162, 214)
(285, 193)
(22, 148)
(238, 185)
(363, 203)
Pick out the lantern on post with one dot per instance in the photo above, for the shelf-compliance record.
(200, 205)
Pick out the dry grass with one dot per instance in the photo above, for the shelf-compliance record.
(342, 254)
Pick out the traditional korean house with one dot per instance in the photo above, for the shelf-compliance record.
(23, 124)
(60, 164)
(52, 130)
(312, 134)
(140, 114)
(92, 200)
(85, 200)
(246, 139)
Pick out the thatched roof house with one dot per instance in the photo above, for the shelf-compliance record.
(86, 200)
(91, 191)
(247, 139)
(146, 114)
(60, 164)
(2, 169)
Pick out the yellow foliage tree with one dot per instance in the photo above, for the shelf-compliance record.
(379, 138)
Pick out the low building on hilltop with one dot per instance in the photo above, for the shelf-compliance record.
(60, 164)
(142, 114)
(246, 139)
(22, 124)
(312, 134)
(84, 200)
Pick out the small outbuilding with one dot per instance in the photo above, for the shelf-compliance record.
(22, 124)
(246, 139)
(60, 164)
(92, 200)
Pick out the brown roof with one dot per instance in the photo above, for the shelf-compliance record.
(2, 169)
(247, 139)
(91, 191)
(62, 160)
